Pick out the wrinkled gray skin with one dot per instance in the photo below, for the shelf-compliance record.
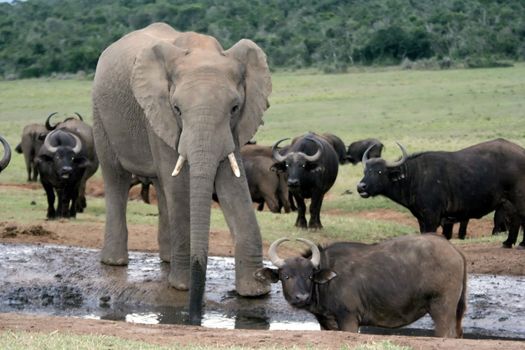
(85, 133)
(6, 158)
(158, 94)
(32, 139)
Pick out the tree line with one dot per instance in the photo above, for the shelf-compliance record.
(41, 37)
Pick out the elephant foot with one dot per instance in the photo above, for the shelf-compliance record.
(179, 280)
(110, 258)
(165, 255)
(250, 287)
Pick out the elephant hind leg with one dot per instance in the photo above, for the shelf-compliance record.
(116, 186)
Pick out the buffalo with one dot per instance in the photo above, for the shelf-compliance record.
(32, 139)
(311, 165)
(78, 127)
(389, 284)
(145, 183)
(442, 187)
(356, 149)
(6, 158)
(62, 162)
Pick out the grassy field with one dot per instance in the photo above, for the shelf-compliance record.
(424, 110)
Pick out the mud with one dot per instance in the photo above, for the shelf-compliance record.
(69, 281)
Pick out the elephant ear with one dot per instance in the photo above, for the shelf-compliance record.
(151, 82)
(258, 86)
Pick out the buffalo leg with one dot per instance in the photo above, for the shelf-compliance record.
(447, 229)
(315, 211)
(462, 229)
(73, 197)
(301, 211)
(348, 323)
(292, 202)
(260, 206)
(35, 173)
(50, 193)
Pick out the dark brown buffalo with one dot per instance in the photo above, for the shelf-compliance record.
(453, 186)
(266, 186)
(311, 165)
(6, 158)
(356, 149)
(389, 284)
(32, 139)
(83, 131)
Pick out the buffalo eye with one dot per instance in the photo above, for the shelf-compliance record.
(379, 172)
(234, 109)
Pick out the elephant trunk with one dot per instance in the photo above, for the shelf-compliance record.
(203, 168)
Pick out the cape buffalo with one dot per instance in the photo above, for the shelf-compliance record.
(62, 162)
(453, 186)
(85, 133)
(356, 149)
(32, 139)
(4, 162)
(311, 165)
(389, 284)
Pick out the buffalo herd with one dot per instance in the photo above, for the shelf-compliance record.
(346, 284)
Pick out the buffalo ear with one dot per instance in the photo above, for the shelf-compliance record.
(324, 276)
(151, 81)
(278, 167)
(257, 85)
(266, 274)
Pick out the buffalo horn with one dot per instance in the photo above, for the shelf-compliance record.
(7, 154)
(275, 152)
(403, 158)
(178, 165)
(47, 144)
(316, 254)
(48, 124)
(365, 155)
(78, 144)
(272, 252)
(79, 116)
(317, 154)
(234, 165)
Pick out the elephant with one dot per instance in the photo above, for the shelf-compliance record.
(163, 98)
(33, 136)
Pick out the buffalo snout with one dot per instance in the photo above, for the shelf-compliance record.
(361, 189)
(293, 182)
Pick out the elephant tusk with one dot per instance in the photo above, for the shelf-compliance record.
(178, 166)
(234, 165)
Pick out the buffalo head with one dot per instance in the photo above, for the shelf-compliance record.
(62, 152)
(297, 164)
(298, 275)
(379, 174)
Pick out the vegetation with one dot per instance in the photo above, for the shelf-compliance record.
(424, 110)
(57, 340)
(42, 37)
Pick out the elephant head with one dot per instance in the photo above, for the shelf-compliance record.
(203, 102)
(4, 162)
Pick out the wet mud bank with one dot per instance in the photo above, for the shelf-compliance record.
(70, 281)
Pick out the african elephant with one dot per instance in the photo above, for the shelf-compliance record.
(163, 98)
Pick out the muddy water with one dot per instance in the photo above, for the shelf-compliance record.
(70, 281)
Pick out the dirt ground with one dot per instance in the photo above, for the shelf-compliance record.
(482, 258)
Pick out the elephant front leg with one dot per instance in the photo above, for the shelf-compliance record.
(236, 205)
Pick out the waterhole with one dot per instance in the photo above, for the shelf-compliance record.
(70, 281)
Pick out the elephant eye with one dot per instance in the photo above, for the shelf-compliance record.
(177, 110)
(235, 109)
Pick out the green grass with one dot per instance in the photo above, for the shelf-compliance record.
(424, 110)
(18, 340)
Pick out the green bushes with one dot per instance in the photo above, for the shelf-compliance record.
(41, 37)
